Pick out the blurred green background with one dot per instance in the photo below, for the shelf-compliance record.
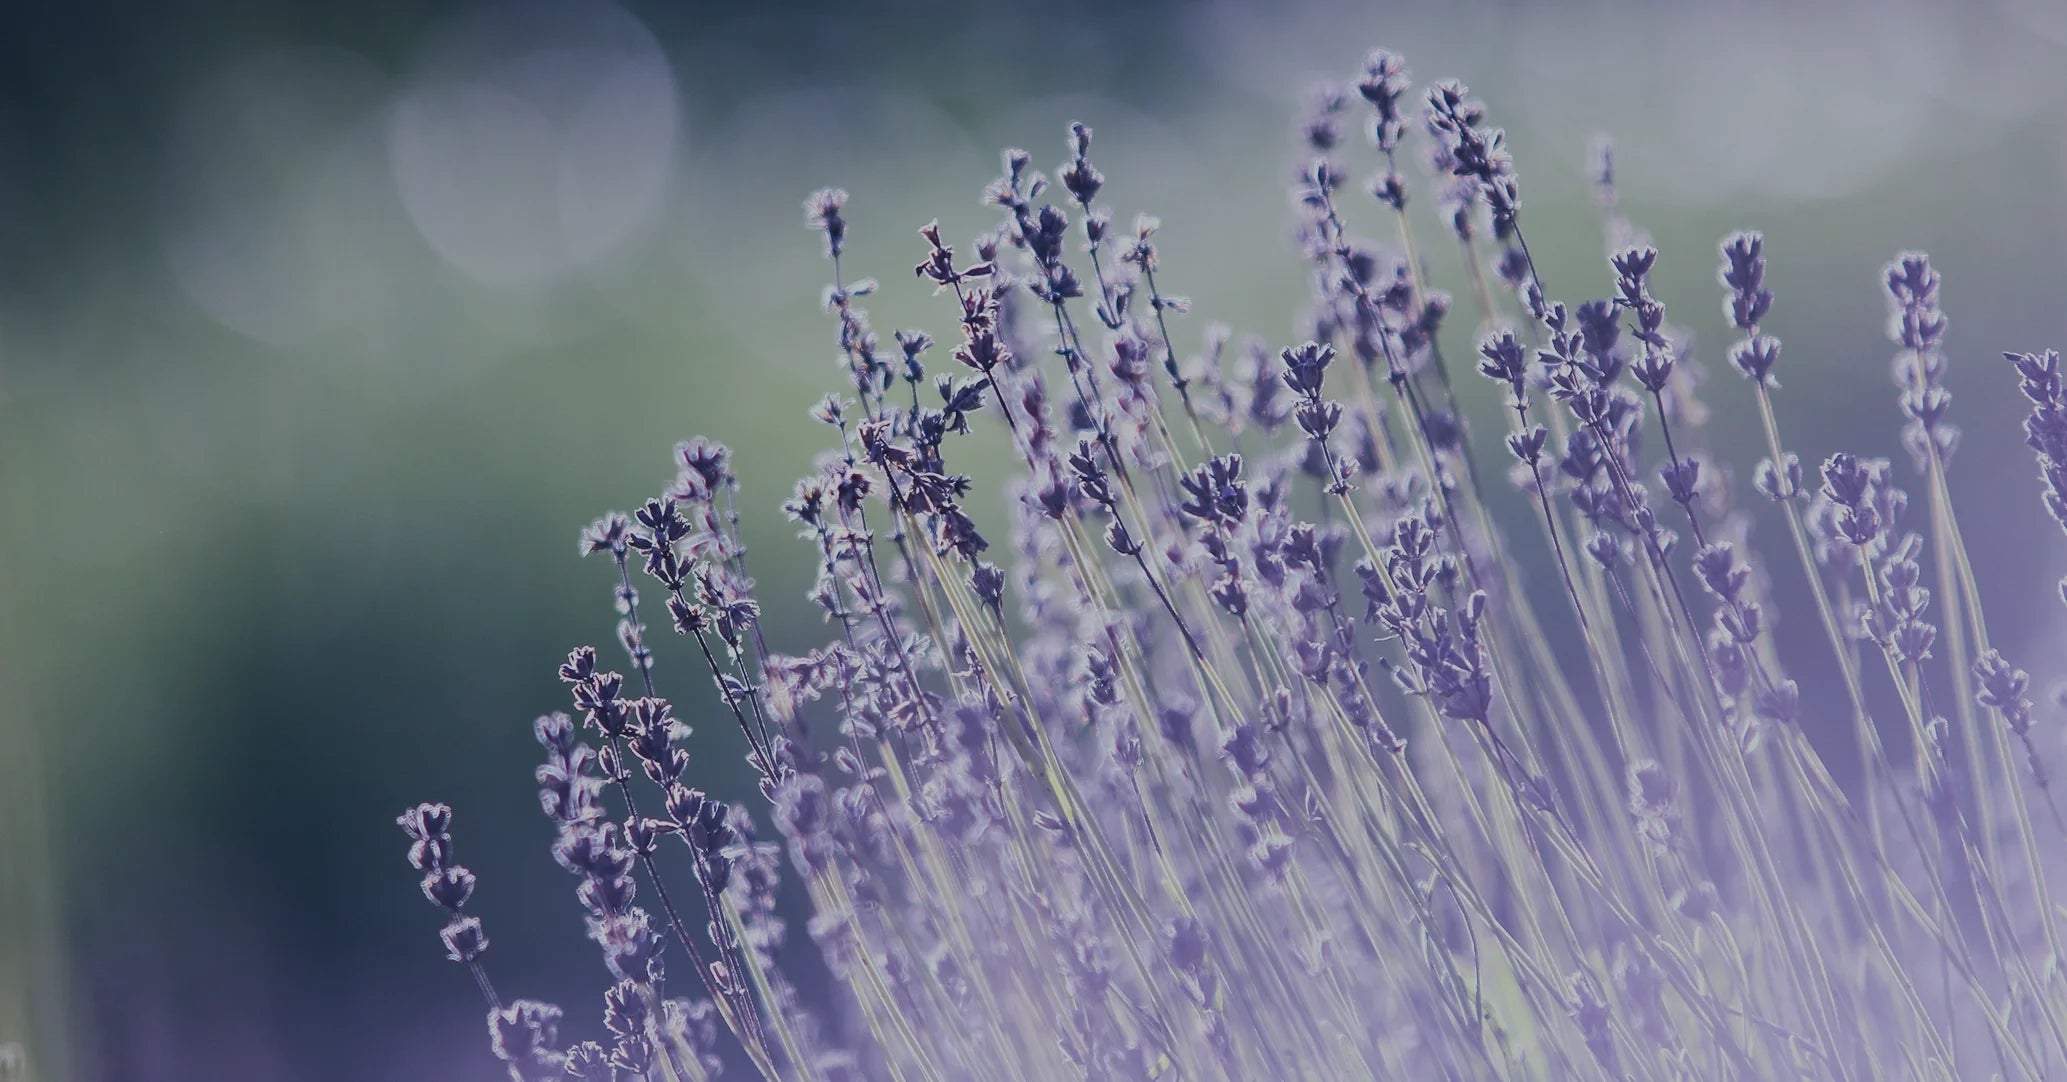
(324, 328)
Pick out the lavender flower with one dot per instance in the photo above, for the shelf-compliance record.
(2045, 431)
(445, 884)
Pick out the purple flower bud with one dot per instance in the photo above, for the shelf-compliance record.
(464, 939)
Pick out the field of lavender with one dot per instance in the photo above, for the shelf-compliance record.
(1241, 748)
(1312, 572)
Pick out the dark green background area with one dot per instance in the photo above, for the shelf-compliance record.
(257, 596)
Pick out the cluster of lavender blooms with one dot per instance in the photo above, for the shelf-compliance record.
(1240, 750)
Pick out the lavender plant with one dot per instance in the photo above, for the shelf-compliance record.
(1240, 748)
